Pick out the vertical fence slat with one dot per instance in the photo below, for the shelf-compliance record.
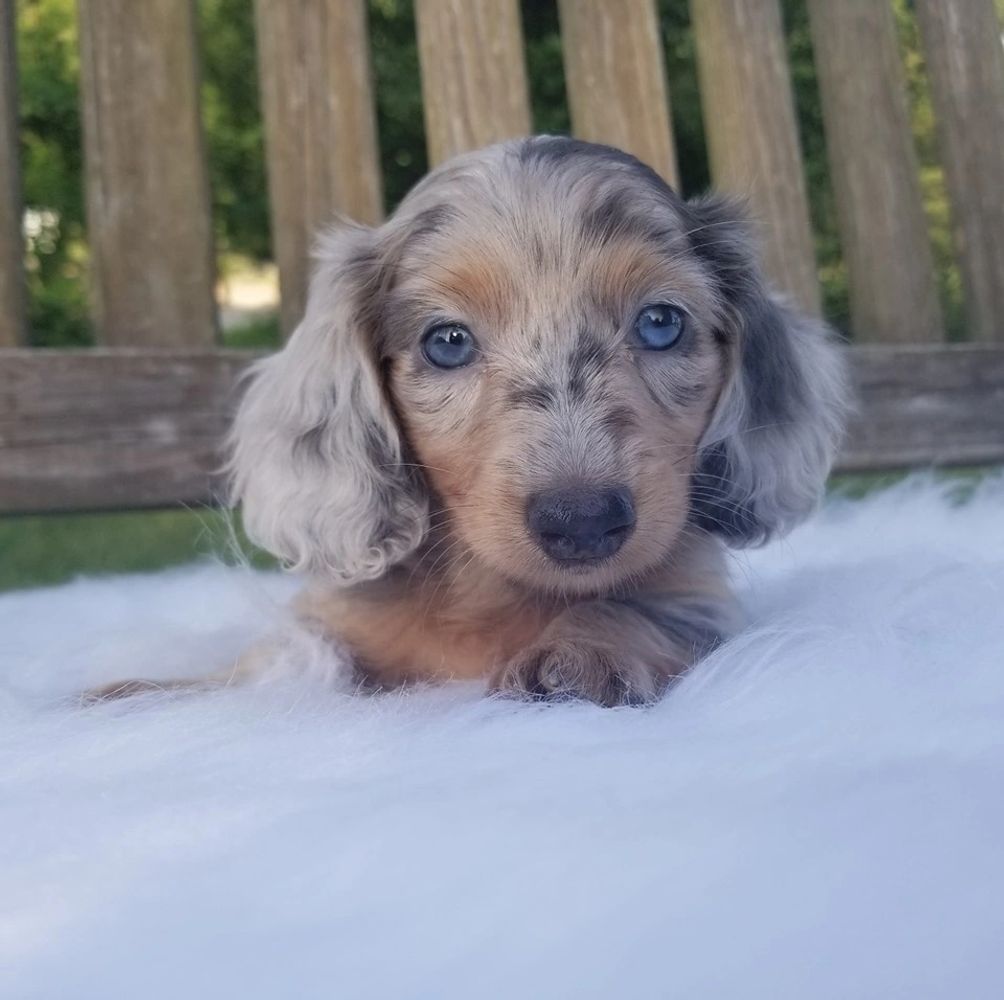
(749, 120)
(873, 164)
(474, 87)
(965, 58)
(12, 296)
(617, 91)
(320, 126)
(148, 212)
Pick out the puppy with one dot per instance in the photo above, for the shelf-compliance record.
(520, 419)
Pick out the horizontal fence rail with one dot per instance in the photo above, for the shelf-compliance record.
(132, 428)
(92, 429)
(139, 420)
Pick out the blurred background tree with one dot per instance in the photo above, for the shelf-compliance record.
(53, 163)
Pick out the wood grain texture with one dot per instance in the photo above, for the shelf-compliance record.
(749, 121)
(926, 405)
(12, 290)
(965, 59)
(107, 429)
(873, 165)
(616, 79)
(148, 210)
(474, 87)
(320, 127)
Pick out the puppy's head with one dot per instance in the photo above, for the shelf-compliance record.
(549, 354)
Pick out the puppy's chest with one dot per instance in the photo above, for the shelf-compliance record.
(396, 638)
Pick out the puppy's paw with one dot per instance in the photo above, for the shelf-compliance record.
(571, 670)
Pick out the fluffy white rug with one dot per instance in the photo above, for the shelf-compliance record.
(818, 811)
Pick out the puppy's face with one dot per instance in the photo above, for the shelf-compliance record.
(554, 366)
(546, 364)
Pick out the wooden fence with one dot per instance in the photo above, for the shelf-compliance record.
(138, 420)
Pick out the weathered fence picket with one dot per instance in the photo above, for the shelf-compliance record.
(320, 123)
(474, 87)
(894, 296)
(148, 215)
(965, 59)
(749, 119)
(616, 79)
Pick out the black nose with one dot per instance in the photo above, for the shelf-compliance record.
(576, 524)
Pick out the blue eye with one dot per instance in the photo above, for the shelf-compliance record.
(449, 346)
(659, 326)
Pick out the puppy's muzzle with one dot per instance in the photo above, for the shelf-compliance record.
(577, 525)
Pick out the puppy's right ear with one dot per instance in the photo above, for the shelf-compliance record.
(316, 453)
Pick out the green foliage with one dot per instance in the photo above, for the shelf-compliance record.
(234, 133)
(400, 124)
(544, 67)
(685, 100)
(52, 165)
(257, 333)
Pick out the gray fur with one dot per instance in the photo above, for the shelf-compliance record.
(695, 626)
(768, 450)
(316, 455)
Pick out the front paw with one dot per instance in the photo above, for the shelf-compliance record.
(571, 670)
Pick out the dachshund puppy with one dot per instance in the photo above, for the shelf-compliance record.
(520, 419)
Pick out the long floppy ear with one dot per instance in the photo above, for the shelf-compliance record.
(774, 435)
(316, 454)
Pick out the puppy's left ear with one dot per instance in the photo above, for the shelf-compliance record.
(772, 440)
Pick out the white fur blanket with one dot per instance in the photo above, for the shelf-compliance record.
(817, 811)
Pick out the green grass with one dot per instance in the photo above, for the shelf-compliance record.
(261, 332)
(48, 549)
(963, 481)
